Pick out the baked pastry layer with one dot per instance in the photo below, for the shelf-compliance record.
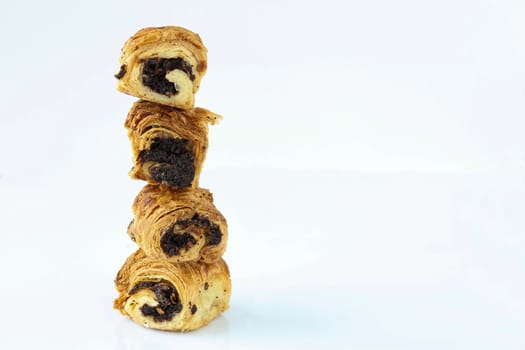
(169, 144)
(163, 65)
(175, 297)
(178, 225)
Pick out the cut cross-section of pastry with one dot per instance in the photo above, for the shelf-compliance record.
(163, 65)
(178, 225)
(169, 144)
(174, 297)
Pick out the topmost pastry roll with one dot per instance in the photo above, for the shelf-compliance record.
(163, 65)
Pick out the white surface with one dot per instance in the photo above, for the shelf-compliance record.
(371, 165)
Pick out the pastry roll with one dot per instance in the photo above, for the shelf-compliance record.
(175, 297)
(169, 145)
(164, 65)
(178, 225)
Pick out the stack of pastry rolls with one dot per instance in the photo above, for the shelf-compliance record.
(177, 279)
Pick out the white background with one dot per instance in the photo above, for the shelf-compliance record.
(371, 165)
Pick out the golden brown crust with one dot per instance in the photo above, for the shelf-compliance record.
(177, 280)
(147, 121)
(162, 42)
(202, 291)
(178, 225)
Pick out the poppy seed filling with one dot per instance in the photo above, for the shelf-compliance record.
(172, 242)
(174, 239)
(154, 72)
(167, 298)
(175, 160)
(121, 72)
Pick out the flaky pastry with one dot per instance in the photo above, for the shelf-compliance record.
(173, 297)
(169, 145)
(164, 65)
(178, 225)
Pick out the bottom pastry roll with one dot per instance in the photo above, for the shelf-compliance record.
(172, 297)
